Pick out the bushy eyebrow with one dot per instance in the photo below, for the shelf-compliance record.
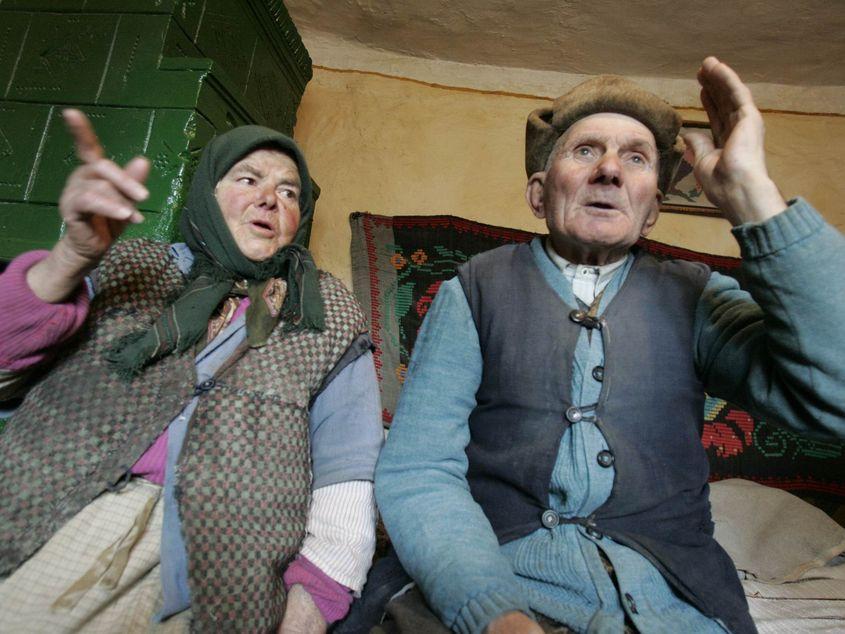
(641, 145)
(249, 168)
(631, 142)
(292, 182)
(246, 167)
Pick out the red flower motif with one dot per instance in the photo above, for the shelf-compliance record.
(745, 424)
(424, 302)
(723, 438)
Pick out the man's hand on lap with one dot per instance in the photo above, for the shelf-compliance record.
(514, 623)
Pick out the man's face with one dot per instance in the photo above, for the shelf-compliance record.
(259, 199)
(599, 194)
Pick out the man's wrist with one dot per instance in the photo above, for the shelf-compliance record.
(798, 222)
(755, 200)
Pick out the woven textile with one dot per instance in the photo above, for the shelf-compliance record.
(399, 262)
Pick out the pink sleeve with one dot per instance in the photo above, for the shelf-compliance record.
(331, 598)
(30, 327)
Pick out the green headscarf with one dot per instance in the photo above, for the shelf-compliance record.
(219, 264)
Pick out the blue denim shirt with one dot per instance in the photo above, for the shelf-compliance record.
(443, 538)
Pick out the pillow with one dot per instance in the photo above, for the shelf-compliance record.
(772, 536)
(399, 262)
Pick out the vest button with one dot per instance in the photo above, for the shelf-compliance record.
(549, 518)
(577, 316)
(592, 532)
(573, 414)
(605, 458)
(598, 373)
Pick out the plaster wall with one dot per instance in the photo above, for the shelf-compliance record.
(398, 146)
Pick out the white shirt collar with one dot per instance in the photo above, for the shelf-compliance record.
(587, 280)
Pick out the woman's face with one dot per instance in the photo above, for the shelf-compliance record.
(259, 199)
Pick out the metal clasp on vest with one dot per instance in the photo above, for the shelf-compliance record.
(592, 529)
(576, 414)
(582, 318)
(589, 523)
(205, 386)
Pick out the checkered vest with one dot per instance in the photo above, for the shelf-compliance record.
(244, 470)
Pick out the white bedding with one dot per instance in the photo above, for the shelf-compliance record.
(788, 553)
(815, 603)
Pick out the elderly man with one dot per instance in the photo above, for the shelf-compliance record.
(159, 471)
(544, 471)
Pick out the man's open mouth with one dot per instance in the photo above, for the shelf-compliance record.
(601, 205)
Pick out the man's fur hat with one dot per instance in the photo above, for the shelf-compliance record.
(606, 93)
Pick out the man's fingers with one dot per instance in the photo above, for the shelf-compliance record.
(699, 143)
(88, 147)
(735, 89)
(724, 85)
(717, 126)
(715, 89)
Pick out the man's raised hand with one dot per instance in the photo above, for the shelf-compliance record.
(732, 166)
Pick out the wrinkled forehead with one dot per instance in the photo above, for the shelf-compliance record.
(267, 160)
(611, 124)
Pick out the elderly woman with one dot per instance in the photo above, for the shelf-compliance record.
(198, 440)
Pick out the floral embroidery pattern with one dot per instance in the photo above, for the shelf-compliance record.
(398, 261)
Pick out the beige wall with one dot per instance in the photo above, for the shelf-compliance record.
(395, 146)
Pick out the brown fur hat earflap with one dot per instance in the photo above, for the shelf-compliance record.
(606, 93)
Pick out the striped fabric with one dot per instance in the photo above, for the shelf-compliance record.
(814, 603)
(98, 573)
(340, 534)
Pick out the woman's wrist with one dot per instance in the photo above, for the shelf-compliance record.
(56, 277)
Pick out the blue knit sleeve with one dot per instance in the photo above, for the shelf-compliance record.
(440, 533)
(778, 349)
